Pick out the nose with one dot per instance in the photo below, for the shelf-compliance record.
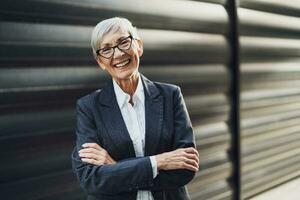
(118, 53)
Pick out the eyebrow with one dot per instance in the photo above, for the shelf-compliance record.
(109, 44)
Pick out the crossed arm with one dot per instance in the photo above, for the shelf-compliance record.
(98, 172)
(183, 158)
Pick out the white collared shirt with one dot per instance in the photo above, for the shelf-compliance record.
(134, 118)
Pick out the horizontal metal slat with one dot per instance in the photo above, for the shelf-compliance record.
(155, 14)
(270, 152)
(14, 125)
(273, 175)
(274, 181)
(269, 127)
(217, 190)
(271, 144)
(287, 7)
(184, 45)
(220, 172)
(258, 23)
(54, 184)
(32, 162)
(271, 160)
(268, 49)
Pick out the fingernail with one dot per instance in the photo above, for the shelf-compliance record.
(84, 145)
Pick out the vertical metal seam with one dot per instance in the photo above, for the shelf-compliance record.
(234, 95)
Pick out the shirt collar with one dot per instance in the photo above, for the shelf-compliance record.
(123, 97)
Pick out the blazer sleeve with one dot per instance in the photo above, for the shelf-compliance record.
(183, 138)
(126, 175)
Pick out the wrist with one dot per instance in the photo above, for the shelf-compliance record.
(159, 161)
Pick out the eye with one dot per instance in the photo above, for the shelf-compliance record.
(125, 43)
(106, 50)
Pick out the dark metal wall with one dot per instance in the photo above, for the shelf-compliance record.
(46, 63)
(270, 74)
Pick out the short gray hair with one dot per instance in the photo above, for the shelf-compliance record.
(112, 24)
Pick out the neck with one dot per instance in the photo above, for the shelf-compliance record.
(129, 85)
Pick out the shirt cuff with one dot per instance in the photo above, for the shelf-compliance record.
(154, 166)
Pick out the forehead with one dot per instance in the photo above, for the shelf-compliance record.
(112, 36)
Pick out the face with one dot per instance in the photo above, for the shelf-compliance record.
(123, 64)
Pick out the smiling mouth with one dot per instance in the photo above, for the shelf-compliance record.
(122, 64)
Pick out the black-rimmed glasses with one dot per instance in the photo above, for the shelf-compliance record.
(123, 45)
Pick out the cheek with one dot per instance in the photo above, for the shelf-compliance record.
(106, 65)
(136, 59)
(135, 55)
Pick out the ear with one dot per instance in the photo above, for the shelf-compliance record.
(100, 63)
(140, 47)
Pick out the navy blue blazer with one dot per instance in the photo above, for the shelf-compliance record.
(168, 127)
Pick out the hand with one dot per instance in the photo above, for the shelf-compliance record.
(94, 154)
(183, 158)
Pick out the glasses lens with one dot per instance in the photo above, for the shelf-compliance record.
(125, 44)
(106, 52)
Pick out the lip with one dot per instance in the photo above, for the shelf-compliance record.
(122, 66)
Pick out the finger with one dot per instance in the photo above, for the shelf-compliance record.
(189, 167)
(100, 154)
(192, 162)
(92, 145)
(112, 161)
(93, 161)
(186, 160)
(90, 161)
(192, 156)
(103, 159)
(189, 161)
(191, 150)
(90, 155)
(197, 152)
(90, 150)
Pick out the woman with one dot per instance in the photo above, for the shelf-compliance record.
(134, 136)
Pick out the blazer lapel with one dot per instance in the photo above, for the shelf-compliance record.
(113, 120)
(116, 128)
(154, 116)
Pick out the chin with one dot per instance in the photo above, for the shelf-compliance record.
(124, 75)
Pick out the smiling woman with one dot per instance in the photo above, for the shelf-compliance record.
(119, 51)
(119, 153)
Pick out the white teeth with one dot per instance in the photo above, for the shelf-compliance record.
(122, 64)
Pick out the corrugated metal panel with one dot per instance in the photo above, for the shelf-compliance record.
(270, 46)
(46, 64)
